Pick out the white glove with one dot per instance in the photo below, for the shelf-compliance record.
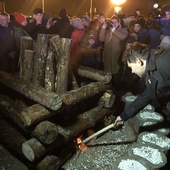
(113, 29)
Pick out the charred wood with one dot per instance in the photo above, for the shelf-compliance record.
(46, 132)
(84, 121)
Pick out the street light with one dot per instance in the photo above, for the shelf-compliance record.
(91, 9)
(117, 3)
(43, 6)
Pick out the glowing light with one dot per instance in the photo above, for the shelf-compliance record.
(155, 5)
(118, 2)
(117, 8)
(81, 146)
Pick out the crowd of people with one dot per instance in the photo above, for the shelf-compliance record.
(101, 43)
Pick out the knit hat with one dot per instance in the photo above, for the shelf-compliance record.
(85, 17)
(19, 18)
(62, 13)
(165, 9)
(38, 11)
(165, 42)
(77, 23)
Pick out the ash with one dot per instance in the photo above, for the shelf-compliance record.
(102, 152)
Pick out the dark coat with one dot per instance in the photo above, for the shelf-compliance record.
(63, 28)
(7, 48)
(157, 84)
(33, 30)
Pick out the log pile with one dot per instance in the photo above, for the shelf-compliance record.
(49, 108)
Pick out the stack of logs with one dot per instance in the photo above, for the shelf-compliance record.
(38, 116)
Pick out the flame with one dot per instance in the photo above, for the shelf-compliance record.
(80, 145)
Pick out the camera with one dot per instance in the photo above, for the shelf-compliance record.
(109, 24)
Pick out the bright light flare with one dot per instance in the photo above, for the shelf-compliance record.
(118, 2)
(81, 146)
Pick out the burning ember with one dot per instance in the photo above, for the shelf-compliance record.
(81, 146)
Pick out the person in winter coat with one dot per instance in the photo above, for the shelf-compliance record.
(113, 38)
(153, 66)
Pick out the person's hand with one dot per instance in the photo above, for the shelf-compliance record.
(119, 121)
(104, 25)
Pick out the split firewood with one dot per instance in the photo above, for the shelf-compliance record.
(32, 149)
(40, 95)
(46, 132)
(26, 44)
(62, 66)
(50, 162)
(108, 99)
(28, 65)
(94, 74)
(84, 121)
(40, 59)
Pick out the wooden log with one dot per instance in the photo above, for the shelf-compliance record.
(26, 44)
(50, 71)
(94, 74)
(108, 99)
(50, 162)
(38, 94)
(62, 66)
(28, 65)
(40, 59)
(34, 114)
(55, 42)
(46, 132)
(12, 109)
(84, 121)
(84, 92)
(11, 137)
(32, 149)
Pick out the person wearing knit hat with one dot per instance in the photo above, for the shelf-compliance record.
(20, 18)
(77, 23)
(85, 20)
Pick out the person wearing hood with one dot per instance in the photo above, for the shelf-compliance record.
(63, 27)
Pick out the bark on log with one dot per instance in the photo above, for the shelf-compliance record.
(34, 114)
(84, 121)
(55, 42)
(28, 65)
(84, 92)
(40, 59)
(38, 94)
(107, 100)
(11, 137)
(32, 149)
(94, 74)
(50, 71)
(50, 162)
(26, 44)
(62, 66)
(46, 132)
(12, 109)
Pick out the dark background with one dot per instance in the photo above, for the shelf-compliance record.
(80, 7)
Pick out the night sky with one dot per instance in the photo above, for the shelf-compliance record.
(78, 7)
